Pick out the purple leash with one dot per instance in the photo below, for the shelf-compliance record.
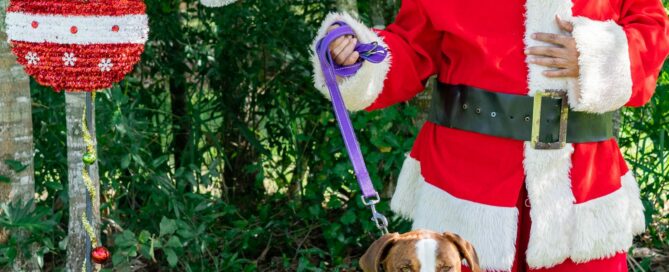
(373, 53)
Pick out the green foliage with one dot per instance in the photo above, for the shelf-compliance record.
(217, 154)
(645, 146)
(29, 228)
(15, 166)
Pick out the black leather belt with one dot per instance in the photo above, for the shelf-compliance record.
(513, 116)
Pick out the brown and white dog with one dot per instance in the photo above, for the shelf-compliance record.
(419, 251)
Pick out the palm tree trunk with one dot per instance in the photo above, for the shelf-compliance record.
(78, 247)
(16, 138)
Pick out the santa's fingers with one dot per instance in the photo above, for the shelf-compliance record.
(564, 25)
(338, 41)
(556, 39)
(547, 51)
(550, 62)
(561, 73)
(345, 54)
(352, 59)
(333, 27)
(341, 47)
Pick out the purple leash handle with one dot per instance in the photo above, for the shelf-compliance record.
(373, 53)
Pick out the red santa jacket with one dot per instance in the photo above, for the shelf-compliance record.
(585, 202)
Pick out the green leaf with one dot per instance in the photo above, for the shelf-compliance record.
(348, 217)
(159, 161)
(125, 161)
(117, 258)
(144, 236)
(11, 253)
(174, 242)
(172, 258)
(4, 179)
(17, 166)
(185, 233)
(63, 244)
(167, 226)
(126, 239)
(56, 186)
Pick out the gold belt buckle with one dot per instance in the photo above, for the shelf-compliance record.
(536, 143)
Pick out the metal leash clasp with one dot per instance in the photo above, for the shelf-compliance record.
(371, 51)
(379, 219)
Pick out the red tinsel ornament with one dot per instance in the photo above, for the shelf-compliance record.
(77, 45)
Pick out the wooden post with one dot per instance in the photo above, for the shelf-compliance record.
(16, 138)
(78, 247)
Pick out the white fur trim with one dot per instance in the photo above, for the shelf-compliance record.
(605, 83)
(408, 183)
(596, 229)
(90, 29)
(540, 17)
(362, 89)
(561, 229)
(549, 189)
(492, 230)
(607, 225)
(636, 209)
(601, 227)
(216, 3)
(547, 172)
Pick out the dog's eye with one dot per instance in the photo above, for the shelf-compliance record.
(406, 269)
(446, 269)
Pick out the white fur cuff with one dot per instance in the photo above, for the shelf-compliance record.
(362, 89)
(605, 83)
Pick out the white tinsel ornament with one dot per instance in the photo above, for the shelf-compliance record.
(216, 3)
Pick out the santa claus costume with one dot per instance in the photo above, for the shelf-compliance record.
(582, 207)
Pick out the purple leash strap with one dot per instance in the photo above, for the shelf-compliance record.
(373, 53)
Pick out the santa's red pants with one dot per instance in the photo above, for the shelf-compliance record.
(617, 263)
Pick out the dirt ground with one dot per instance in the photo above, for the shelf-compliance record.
(659, 259)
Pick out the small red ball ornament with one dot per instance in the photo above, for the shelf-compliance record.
(76, 45)
(100, 255)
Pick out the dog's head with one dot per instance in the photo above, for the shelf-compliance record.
(419, 251)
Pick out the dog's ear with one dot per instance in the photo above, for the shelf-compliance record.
(466, 249)
(370, 261)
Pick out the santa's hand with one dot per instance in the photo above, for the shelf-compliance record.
(343, 49)
(562, 58)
